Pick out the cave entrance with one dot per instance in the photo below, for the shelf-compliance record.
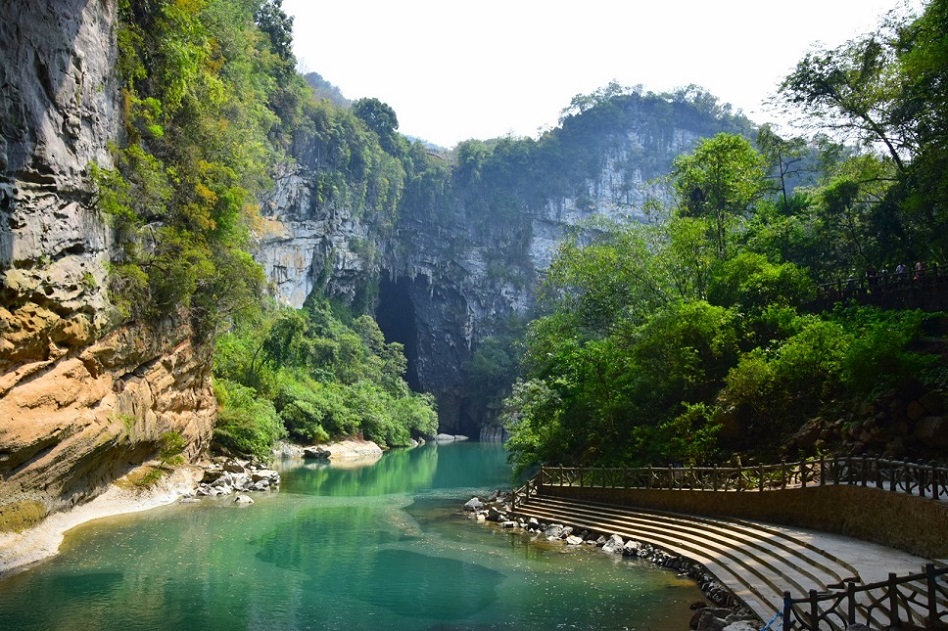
(395, 315)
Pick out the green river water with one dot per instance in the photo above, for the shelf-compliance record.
(382, 546)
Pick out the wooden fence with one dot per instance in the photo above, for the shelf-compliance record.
(889, 289)
(916, 601)
(914, 478)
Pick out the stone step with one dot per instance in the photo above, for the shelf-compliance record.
(743, 574)
(757, 562)
(819, 565)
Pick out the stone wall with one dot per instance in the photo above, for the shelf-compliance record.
(915, 525)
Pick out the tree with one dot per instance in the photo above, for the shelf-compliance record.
(380, 118)
(719, 182)
(854, 89)
(784, 158)
(273, 20)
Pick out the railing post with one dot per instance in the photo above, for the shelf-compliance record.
(851, 603)
(783, 474)
(933, 467)
(563, 479)
(671, 480)
(893, 594)
(648, 483)
(760, 478)
(932, 594)
(802, 474)
(921, 479)
(892, 474)
(787, 612)
(905, 474)
(862, 467)
(878, 467)
(836, 470)
(822, 471)
(740, 478)
(714, 477)
(814, 611)
(849, 471)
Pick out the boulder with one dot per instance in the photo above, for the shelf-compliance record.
(933, 431)
(235, 466)
(631, 548)
(554, 531)
(268, 475)
(243, 500)
(574, 540)
(473, 505)
(613, 545)
(316, 452)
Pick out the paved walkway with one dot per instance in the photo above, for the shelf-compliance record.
(756, 561)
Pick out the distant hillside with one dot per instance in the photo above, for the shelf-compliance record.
(326, 90)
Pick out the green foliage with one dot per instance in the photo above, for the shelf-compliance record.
(720, 182)
(246, 423)
(200, 85)
(682, 340)
(172, 448)
(318, 378)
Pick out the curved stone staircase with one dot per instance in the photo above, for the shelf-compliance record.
(757, 562)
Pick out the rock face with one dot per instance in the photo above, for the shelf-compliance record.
(452, 278)
(81, 400)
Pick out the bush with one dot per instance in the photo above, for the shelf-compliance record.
(246, 424)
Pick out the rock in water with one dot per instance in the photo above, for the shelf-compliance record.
(243, 500)
(474, 504)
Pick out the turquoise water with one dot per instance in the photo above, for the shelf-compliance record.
(382, 546)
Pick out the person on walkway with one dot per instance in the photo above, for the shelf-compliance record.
(871, 278)
(901, 273)
(920, 270)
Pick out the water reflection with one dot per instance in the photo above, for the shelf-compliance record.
(375, 547)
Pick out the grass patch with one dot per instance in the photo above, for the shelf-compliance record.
(19, 516)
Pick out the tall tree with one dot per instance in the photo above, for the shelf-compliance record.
(853, 89)
(719, 182)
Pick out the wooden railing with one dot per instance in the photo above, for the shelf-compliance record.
(916, 601)
(915, 478)
(891, 289)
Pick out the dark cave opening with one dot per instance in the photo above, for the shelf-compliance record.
(395, 315)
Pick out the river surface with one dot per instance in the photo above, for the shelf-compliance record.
(382, 546)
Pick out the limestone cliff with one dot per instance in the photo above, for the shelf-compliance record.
(82, 399)
(453, 275)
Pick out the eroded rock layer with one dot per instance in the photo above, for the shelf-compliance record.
(81, 401)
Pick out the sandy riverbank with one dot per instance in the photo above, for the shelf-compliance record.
(19, 550)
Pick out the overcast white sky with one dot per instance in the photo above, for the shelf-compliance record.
(458, 69)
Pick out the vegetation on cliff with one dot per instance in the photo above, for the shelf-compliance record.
(211, 103)
(676, 340)
(309, 372)
(688, 339)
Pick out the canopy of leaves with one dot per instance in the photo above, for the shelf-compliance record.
(317, 379)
